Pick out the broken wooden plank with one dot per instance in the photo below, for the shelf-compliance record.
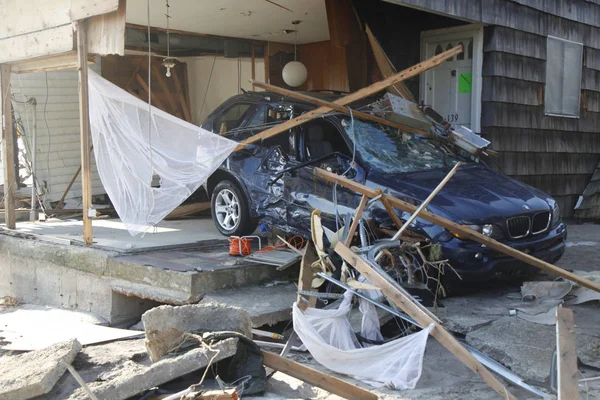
(380, 279)
(225, 394)
(390, 210)
(188, 209)
(144, 86)
(306, 274)
(316, 378)
(464, 231)
(357, 216)
(345, 110)
(359, 94)
(567, 372)
(385, 67)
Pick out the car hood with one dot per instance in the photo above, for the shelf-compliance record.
(475, 194)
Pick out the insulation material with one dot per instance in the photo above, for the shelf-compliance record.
(128, 154)
(328, 336)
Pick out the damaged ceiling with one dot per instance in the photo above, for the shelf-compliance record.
(250, 19)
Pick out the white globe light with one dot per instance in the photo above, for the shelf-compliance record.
(294, 73)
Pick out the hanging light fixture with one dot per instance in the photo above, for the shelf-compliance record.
(168, 62)
(295, 73)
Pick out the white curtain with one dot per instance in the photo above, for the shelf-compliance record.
(128, 153)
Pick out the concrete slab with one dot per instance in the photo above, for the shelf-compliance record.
(30, 327)
(166, 326)
(526, 348)
(33, 374)
(122, 369)
(111, 233)
(266, 305)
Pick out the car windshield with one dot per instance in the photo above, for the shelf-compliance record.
(386, 150)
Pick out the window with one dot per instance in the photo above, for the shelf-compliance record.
(564, 62)
(231, 118)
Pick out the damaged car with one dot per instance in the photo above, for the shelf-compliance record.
(273, 183)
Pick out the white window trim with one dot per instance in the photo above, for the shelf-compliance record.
(549, 114)
(457, 33)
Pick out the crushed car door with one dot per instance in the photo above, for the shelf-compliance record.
(321, 145)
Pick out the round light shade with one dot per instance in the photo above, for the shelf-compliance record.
(294, 73)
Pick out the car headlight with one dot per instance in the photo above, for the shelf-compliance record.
(555, 216)
(491, 230)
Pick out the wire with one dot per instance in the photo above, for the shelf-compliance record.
(208, 83)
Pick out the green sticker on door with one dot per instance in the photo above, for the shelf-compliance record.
(464, 82)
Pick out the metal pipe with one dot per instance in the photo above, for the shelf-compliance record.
(33, 212)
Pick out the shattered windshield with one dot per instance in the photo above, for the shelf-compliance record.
(383, 148)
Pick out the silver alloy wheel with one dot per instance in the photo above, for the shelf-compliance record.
(227, 209)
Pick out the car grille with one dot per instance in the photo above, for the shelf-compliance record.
(518, 227)
(540, 222)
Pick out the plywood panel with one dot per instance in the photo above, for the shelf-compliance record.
(43, 43)
(326, 65)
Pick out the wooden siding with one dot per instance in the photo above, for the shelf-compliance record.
(58, 153)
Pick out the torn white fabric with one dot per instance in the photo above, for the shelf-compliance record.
(183, 155)
(328, 336)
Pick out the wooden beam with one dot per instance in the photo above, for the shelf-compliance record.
(67, 60)
(313, 377)
(464, 231)
(144, 28)
(8, 143)
(84, 126)
(61, 202)
(306, 273)
(380, 279)
(42, 43)
(386, 68)
(390, 210)
(165, 88)
(334, 106)
(144, 86)
(357, 216)
(360, 94)
(253, 71)
(105, 33)
(267, 59)
(568, 374)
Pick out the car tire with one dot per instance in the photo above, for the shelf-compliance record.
(230, 211)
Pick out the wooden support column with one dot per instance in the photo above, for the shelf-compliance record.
(84, 127)
(8, 150)
(566, 354)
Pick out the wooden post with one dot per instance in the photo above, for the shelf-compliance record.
(409, 306)
(84, 126)
(357, 216)
(8, 151)
(566, 355)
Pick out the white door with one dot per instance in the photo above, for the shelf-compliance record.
(453, 88)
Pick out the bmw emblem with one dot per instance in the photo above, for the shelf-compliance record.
(526, 207)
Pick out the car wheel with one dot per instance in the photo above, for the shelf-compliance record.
(230, 210)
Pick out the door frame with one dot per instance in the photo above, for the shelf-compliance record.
(456, 33)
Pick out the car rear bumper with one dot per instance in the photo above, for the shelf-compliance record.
(475, 262)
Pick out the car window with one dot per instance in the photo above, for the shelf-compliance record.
(387, 150)
(322, 138)
(231, 118)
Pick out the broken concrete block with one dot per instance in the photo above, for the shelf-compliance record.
(33, 374)
(130, 378)
(524, 347)
(166, 325)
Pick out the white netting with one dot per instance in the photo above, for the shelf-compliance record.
(183, 155)
(329, 338)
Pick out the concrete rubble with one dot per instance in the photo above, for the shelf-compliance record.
(166, 326)
(33, 374)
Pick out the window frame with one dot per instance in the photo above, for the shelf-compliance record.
(555, 114)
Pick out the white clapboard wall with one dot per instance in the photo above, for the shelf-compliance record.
(58, 141)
